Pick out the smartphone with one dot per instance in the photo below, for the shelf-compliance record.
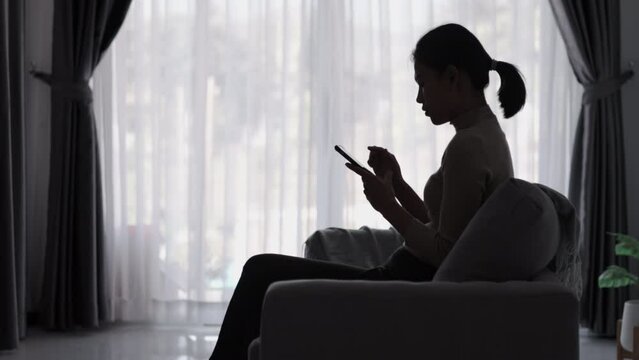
(347, 156)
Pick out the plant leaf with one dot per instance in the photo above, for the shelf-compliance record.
(616, 276)
(626, 245)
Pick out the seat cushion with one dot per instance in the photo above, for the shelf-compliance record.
(513, 236)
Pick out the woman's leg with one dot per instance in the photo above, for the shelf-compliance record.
(242, 319)
(402, 265)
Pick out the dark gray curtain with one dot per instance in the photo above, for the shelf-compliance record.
(12, 189)
(591, 32)
(74, 292)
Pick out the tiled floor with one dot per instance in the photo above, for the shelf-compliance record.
(596, 348)
(124, 342)
(143, 342)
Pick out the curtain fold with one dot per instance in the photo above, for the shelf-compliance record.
(591, 32)
(74, 292)
(12, 179)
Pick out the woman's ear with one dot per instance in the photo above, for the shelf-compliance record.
(451, 75)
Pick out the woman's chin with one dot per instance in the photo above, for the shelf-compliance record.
(435, 120)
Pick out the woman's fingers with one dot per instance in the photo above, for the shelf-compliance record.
(377, 150)
(356, 169)
(376, 156)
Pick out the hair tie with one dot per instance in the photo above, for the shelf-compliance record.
(493, 64)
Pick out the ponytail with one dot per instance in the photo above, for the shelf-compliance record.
(512, 91)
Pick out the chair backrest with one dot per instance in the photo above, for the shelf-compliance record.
(566, 263)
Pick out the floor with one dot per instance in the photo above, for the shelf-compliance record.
(144, 342)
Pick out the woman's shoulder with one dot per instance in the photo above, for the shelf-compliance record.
(484, 138)
(483, 151)
(465, 153)
(465, 144)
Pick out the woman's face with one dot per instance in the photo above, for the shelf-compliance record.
(435, 92)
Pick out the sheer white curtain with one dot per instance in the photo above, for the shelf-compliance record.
(218, 119)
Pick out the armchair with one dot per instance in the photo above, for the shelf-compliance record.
(525, 319)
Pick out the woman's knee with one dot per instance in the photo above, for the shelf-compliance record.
(259, 262)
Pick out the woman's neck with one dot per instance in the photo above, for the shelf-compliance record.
(469, 103)
(467, 115)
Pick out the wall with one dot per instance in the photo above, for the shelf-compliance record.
(630, 103)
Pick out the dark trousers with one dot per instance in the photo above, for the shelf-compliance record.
(242, 320)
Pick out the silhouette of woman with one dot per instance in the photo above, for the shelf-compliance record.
(451, 70)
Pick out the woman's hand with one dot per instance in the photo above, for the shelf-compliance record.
(378, 190)
(382, 161)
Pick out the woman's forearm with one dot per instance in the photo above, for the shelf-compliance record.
(401, 220)
(411, 201)
(397, 216)
(422, 240)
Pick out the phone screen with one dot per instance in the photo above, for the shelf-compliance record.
(347, 156)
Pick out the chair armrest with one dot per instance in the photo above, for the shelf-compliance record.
(365, 247)
(360, 319)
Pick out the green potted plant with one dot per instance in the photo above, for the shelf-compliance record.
(616, 276)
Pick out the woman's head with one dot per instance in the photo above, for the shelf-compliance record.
(451, 68)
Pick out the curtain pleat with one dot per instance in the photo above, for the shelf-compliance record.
(74, 288)
(591, 32)
(12, 178)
